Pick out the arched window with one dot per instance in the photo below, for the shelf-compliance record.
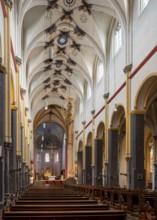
(89, 92)
(100, 72)
(143, 3)
(47, 157)
(117, 39)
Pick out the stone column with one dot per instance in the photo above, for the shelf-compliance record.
(105, 156)
(93, 148)
(113, 177)
(88, 162)
(83, 143)
(98, 161)
(80, 166)
(127, 71)
(137, 151)
(12, 163)
(155, 163)
(2, 116)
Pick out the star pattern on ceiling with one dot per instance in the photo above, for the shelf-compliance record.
(64, 44)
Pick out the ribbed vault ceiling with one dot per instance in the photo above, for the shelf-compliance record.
(61, 41)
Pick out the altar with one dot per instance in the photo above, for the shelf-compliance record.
(51, 178)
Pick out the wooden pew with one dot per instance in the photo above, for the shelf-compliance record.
(59, 205)
(66, 215)
(54, 207)
(24, 202)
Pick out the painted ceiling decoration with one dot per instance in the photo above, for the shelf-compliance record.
(67, 38)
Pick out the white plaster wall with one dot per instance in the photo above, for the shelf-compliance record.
(144, 31)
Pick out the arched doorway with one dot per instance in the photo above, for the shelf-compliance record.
(146, 106)
(99, 154)
(80, 162)
(117, 148)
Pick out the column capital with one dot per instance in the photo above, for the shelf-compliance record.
(113, 129)
(18, 157)
(23, 91)
(18, 60)
(83, 122)
(7, 145)
(128, 157)
(93, 112)
(127, 68)
(9, 3)
(2, 68)
(106, 95)
(29, 121)
(138, 112)
(26, 109)
(14, 107)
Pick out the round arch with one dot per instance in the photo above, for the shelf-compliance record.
(80, 146)
(100, 131)
(89, 139)
(146, 92)
(146, 103)
(117, 117)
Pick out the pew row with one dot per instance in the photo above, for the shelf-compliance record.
(65, 215)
